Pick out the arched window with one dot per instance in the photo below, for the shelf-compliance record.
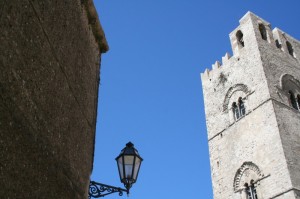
(293, 101)
(241, 107)
(263, 32)
(291, 87)
(251, 190)
(240, 38)
(246, 179)
(238, 109)
(290, 48)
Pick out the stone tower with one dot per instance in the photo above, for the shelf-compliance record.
(252, 103)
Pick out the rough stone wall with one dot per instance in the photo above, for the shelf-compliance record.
(49, 61)
(259, 138)
(278, 64)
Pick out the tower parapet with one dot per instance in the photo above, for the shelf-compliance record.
(262, 32)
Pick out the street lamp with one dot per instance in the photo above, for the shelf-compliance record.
(128, 162)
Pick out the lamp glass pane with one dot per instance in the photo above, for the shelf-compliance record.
(120, 167)
(128, 163)
(136, 167)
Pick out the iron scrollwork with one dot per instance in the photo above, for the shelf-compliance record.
(97, 190)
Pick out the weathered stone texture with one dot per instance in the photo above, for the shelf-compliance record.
(49, 61)
(268, 135)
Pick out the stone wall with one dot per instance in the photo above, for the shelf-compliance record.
(282, 71)
(50, 61)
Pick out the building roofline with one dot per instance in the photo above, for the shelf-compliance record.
(96, 26)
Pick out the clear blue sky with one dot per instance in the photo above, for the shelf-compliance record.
(151, 91)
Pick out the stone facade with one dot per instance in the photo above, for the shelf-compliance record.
(260, 147)
(49, 61)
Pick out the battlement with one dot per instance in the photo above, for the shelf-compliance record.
(286, 43)
(217, 65)
(252, 33)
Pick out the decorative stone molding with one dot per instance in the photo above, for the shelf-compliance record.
(247, 172)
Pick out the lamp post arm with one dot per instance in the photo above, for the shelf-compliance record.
(97, 190)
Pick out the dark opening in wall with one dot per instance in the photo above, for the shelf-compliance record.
(263, 32)
(278, 45)
(290, 48)
(293, 101)
(240, 38)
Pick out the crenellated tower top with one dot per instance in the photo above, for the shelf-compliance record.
(242, 36)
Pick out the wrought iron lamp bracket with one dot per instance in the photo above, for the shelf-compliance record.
(97, 190)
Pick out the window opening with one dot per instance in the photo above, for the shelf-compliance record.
(263, 32)
(290, 48)
(240, 38)
(251, 191)
(293, 101)
(238, 109)
(278, 45)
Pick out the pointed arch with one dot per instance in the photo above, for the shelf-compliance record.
(287, 80)
(231, 90)
(291, 89)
